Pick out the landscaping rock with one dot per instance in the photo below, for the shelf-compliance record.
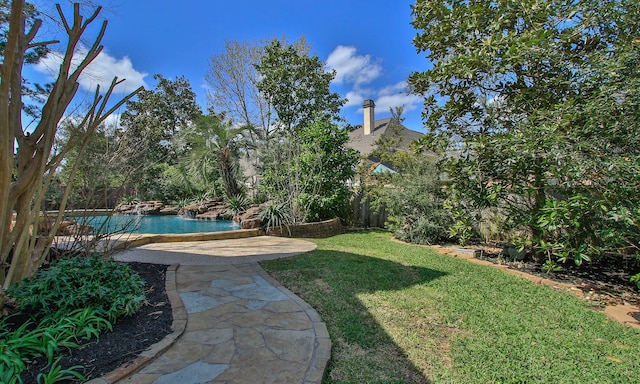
(144, 208)
(193, 210)
(169, 211)
(250, 219)
(78, 229)
(215, 213)
(251, 223)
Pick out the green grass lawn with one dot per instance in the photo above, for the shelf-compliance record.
(401, 313)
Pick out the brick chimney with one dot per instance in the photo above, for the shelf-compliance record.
(368, 107)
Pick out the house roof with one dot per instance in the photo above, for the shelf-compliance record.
(376, 166)
(366, 143)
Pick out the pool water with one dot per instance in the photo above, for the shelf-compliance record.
(156, 224)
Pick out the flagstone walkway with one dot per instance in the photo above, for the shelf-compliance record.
(233, 323)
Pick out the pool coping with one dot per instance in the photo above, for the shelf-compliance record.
(136, 240)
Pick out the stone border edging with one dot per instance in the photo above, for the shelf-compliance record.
(178, 326)
(619, 313)
(316, 229)
(322, 348)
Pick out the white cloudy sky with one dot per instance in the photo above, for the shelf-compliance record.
(368, 43)
(102, 70)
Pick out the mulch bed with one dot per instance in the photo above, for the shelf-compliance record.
(605, 282)
(130, 335)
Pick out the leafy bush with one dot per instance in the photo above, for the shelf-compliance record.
(414, 203)
(309, 171)
(82, 282)
(129, 200)
(636, 279)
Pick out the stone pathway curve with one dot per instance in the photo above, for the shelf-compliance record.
(234, 323)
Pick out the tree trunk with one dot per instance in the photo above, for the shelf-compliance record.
(228, 175)
(540, 199)
(25, 177)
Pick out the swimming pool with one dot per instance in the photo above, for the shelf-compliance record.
(155, 224)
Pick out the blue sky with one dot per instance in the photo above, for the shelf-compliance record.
(368, 43)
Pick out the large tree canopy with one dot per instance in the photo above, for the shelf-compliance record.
(297, 86)
(152, 124)
(540, 100)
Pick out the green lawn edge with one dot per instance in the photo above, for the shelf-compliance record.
(401, 313)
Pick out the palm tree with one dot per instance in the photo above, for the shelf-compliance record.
(213, 139)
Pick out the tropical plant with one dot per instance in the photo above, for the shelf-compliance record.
(46, 338)
(129, 200)
(57, 374)
(276, 215)
(237, 204)
(214, 141)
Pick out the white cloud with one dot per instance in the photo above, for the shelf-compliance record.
(352, 68)
(361, 75)
(410, 102)
(354, 98)
(112, 122)
(100, 72)
(391, 96)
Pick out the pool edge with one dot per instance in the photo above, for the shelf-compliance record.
(142, 239)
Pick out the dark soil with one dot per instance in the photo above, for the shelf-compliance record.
(130, 335)
(605, 281)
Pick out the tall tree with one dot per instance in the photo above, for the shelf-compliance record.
(297, 86)
(525, 93)
(27, 169)
(33, 94)
(159, 114)
(232, 79)
(153, 123)
(306, 173)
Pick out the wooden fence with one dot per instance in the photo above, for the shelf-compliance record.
(362, 215)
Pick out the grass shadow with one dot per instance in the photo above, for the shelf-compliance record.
(351, 290)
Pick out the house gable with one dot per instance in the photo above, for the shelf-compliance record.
(383, 128)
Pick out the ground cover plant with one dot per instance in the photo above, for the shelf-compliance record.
(400, 313)
(64, 307)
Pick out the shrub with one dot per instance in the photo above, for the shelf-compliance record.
(82, 282)
(276, 215)
(308, 172)
(46, 339)
(414, 203)
(237, 204)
